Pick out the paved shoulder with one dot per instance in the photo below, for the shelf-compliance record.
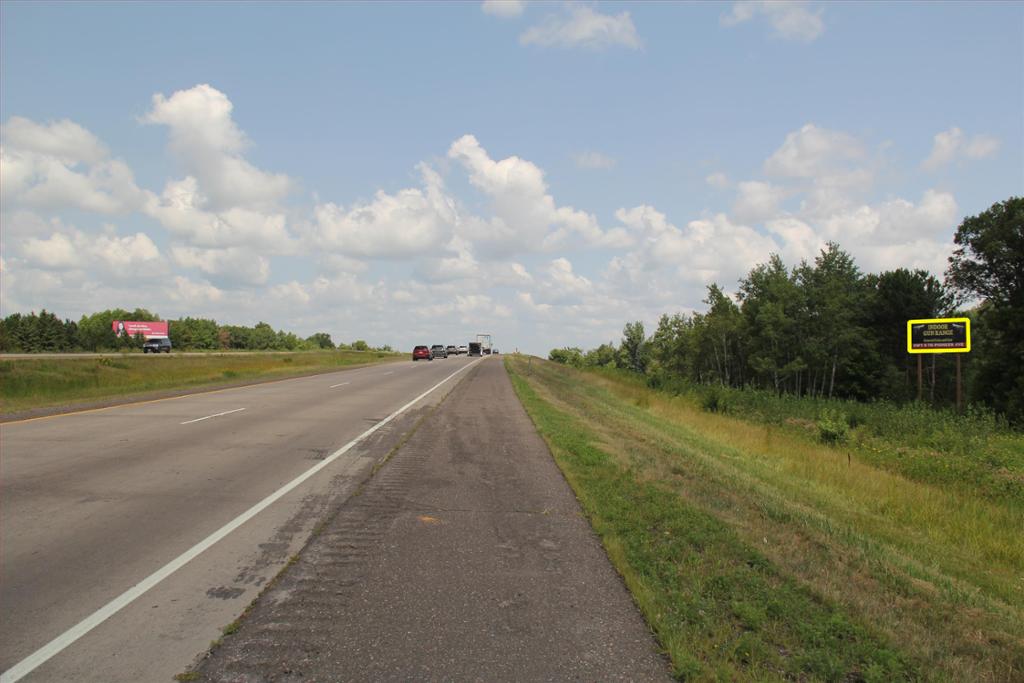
(466, 558)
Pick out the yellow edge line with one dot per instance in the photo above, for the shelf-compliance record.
(174, 398)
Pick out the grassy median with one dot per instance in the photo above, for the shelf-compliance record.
(757, 553)
(30, 383)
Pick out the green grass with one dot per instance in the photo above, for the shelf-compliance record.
(758, 553)
(27, 383)
(976, 451)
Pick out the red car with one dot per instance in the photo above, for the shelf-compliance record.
(422, 352)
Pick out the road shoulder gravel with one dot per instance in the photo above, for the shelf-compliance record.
(465, 558)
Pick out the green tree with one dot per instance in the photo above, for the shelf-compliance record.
(718, 333)
(569, 355)
(634, 346)
(770, 304)
(988, 264)
(321, 340)
(604, 356)
(896, 297)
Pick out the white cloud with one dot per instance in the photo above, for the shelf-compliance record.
(63, 140)
(180, 209)
(594, 160)
(503, 8)
(232, 265)
(560, 284)
(409, 223)
(708, 249)
(526, 216)
(209, 144)
(62, 165)
(581, 26)
(718, 180)
(72, 249)
(790, 19)
(758, 201)
(813, 151)
(950, 144)
(192, 295)
(897, 221)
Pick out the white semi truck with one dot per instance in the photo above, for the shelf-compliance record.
(484, 340)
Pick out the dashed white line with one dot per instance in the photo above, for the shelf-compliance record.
(200, 419)
(55, 646)
(335, 386)
(391, 372)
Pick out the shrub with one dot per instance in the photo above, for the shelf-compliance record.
(713, 401)
(832, 427)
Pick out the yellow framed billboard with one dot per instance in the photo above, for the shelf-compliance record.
(939, 335)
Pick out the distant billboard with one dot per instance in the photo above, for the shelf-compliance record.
(939, 335)
(148, 329)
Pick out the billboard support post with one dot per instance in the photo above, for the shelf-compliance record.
(920, 379)
(959, 387)
(939, 335)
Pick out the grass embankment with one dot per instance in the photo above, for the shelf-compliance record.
(758, 553)
(976, 451)
(28, 383)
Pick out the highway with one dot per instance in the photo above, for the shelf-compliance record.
(128, 535)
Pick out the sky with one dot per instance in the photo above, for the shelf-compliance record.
(419, 173)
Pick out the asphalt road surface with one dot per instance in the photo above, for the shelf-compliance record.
(100, 510)
(465, 558)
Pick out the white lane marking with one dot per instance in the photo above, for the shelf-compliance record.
(200, 419)
(335, 386)
(54, 647)
(390, 373)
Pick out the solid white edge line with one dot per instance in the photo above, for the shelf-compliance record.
(40, 656)
(334, 386)
(200, 419)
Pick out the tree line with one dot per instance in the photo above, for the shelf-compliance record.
(46, 332)
(826, 329)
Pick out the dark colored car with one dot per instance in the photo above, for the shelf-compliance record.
(438, 351)
(156, 345)
(422, 353)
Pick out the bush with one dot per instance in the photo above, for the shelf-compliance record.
(714, 401)
(833, 427)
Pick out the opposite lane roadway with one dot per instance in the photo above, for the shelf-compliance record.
(93, 503)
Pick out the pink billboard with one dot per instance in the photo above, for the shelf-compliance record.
(149, 330)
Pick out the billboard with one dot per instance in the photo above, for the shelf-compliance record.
(148, 329)
(939, 335)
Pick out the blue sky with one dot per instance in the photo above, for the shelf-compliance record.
(622, 156)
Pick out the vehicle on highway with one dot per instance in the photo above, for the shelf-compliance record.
(463, 350)
(474, 349)
(452, 350)
(421, 353)
(156, 345)
(495, 351)
(438, 351)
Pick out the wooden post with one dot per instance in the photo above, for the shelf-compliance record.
(921, 381)
(959, 386)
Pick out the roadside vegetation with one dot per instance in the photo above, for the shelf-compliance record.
(45, 332)
(824, 329)
(28, 383)
(760, 549)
